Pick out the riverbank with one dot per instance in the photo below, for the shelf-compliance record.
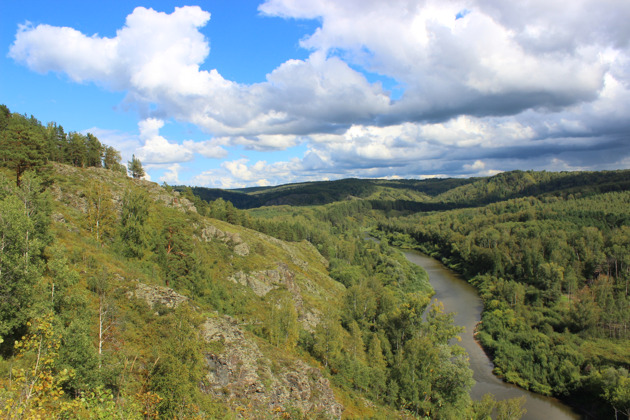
(460, 297)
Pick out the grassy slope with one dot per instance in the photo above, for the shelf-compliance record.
(86, 256)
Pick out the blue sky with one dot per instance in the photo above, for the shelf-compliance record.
(242, 93)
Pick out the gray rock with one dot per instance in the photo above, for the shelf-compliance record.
(157, 295)
(241, 374)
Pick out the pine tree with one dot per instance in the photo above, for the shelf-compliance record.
(22, 145)
(111, 158)
(76, 150)
(135, 167)
(94, 153)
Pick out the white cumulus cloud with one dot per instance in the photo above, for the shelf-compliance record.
(157, 149)
(529, 84)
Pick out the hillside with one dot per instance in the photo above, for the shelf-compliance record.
(186, 271)
(145, 305)
(123, 299)
(132, 300)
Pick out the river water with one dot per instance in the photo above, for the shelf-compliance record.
(461, 298)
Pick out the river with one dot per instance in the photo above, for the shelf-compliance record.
(461, 298)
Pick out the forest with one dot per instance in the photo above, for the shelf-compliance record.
(108, 294)
(553, 271)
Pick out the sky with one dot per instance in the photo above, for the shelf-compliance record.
(241, 93)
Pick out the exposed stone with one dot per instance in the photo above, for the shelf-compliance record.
(262, 282)
(242, 375)
(309, 319)
(157, 295)
(240, 247)
(241, 250)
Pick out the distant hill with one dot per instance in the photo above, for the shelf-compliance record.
(516, 184)
(424, 195)
(325, 192)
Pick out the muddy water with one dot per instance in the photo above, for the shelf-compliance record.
(460, 297)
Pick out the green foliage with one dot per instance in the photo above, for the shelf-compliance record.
(27, 144)
(132, 232)
(78, 355)
(179, 366)
(101, 216)
(552, 271)
(174, 250)
(134, 166)
(283, 328)
(23, 234)
(328, 340)
(22, 144)
(34, 389)
(76, 151)
(112, 159)
(615, 384)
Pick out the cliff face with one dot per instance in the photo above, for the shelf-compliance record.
(243, 370)
(252, 382)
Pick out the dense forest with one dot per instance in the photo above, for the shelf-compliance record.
(123, 299)
(553, 271)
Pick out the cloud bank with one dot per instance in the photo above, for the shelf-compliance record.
(487, 86)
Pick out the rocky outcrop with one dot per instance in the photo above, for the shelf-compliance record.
(154, 295)
(240, 247)
(252, 383)
(264, 281)
(242, 375)
(290, 250)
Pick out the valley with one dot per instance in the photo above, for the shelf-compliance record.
(122, 298)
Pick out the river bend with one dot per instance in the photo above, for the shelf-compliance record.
(461, 298)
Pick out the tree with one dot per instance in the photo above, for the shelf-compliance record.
(328, 340)
(16, 280)
(78, 355)
(378, 365)
(99, 284)
(175, 251)
(132, 232)
(35, 388)
(22, 145)
(5, 114)
(57, 142)
(111, 160)
(135, 167)
(94, 153)
(76, 151)
(179, 367)
(511, 409)
(283, 323)
(100, 212)
(23, 234)
(616, 387)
